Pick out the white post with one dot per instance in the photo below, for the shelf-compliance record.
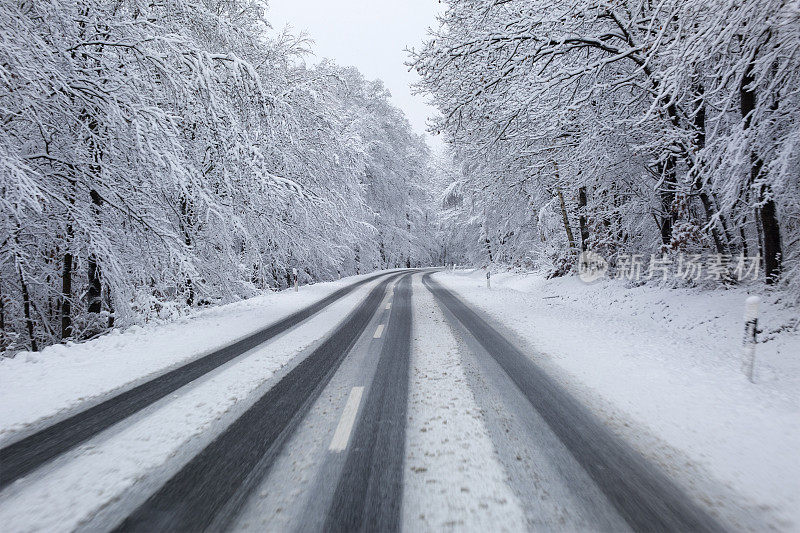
(488, 280)
(294, 273)
(750, 333)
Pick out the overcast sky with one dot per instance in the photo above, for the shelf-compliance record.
(370, 35)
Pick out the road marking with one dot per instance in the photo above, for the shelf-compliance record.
(378, 332)
(389, 305)
(342, 434)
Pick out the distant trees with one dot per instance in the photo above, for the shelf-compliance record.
(159, 156)
(666, 126)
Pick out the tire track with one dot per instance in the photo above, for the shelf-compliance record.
(642, 494)
(23, 456)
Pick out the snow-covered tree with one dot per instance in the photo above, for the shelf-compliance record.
(159, 156)
(628, 126)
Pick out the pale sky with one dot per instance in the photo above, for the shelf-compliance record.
(370, 35)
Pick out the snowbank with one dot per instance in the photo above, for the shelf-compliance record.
(663, 367)
(41, 388)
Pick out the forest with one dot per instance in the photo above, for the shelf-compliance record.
(160, 156)
(630, 128)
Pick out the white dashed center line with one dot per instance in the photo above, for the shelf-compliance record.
(342, 434)
(378, 332)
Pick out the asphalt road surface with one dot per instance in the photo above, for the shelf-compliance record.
(33, 451)
(644, 497)
(323, 448)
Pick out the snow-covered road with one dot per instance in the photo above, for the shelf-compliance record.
(391, 404)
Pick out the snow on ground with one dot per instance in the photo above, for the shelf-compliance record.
(663, 367)
(40, 388)
(87, 487)
(453, 477)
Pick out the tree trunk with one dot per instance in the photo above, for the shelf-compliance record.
(66, 296)
(766, 215)
(486, 240)
(710, 211)
(759, 232)
(66, 273)
(408, 232)
(94, 295)
(186, 223)
(110, 305)
(2, 312)
(668, 190)
(722, 222)
(772, 242)
(26, 308)
(582, 218)
(565, 219)
(743, 237)
(709, 206)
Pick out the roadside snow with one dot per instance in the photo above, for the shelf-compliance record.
(113, 473)
(41, 388)
(453, 477)
(663, 367)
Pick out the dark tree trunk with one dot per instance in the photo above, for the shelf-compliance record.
(66, 296)
(668, 190)
(2, 311)
(710, 210)
(26, 309)
(565, 219)
(721, 244)
(723, 222)
(110, 305)
(582, 218)
(66, 273)
(766, 215)
(772, 242)
(26, 297)
(189, 292)
(94, 295)
(759, 232)
(743, 237)
(408, 232)
(186, 224)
